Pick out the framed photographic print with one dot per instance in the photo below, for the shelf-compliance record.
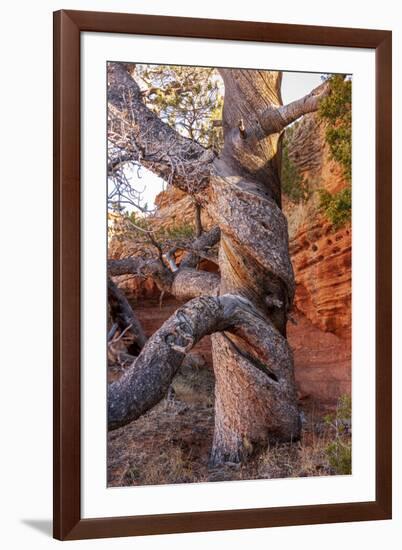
(222, 229)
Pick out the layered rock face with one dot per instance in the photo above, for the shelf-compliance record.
(321, 256)
(174, 208)
(322, 263)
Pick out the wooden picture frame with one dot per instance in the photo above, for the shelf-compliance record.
(68, 25)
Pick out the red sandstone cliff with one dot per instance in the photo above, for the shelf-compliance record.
(320, 255)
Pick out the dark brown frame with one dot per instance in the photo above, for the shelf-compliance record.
(67, 482)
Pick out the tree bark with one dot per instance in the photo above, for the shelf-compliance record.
(246, 308)
(148, 379)
(245, 200)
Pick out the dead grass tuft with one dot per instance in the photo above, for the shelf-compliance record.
(171, 443)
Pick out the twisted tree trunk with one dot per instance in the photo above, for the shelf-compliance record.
(251, 406)
(245, 309)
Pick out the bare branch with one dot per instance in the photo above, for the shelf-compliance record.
(275, 119)
(170, 260)
(112, 332)
(179, 160)
(162, 276)
(198, 224)
(183, 282)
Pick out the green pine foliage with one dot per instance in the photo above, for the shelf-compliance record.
(175, 232)
(336, 111)
(337, 207)
(190, 99)
(339, 451)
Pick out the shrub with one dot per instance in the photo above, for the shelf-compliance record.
(337, 207)
(175, 232)
(339, 451)
(336, 110)
(183, 231)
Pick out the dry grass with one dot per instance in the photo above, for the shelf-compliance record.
(171, 443)
(168, 463)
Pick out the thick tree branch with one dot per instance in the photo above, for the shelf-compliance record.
(162, 276)
(179, 160)
(275, 119)
(184, 283)
(190, 283)
(148, 379)
(132, 266)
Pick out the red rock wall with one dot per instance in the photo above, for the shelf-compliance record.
(322, 264)
(321, 256)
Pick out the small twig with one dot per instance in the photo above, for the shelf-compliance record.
(161, 296)
(156, 245)
(171, 262)
(117, 338)
(112, 332)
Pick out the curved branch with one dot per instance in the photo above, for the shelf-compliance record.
(275, 119)
(181, 161)
(147, 381)
(124, 316)
(185, 283)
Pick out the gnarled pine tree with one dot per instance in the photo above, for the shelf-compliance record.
(245, 308)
